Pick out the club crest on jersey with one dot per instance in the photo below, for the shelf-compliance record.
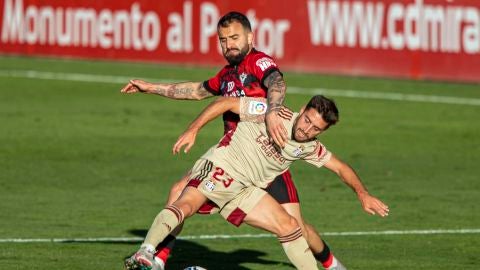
(297, 152)
(264, 63)
(257, 107)
(243, 77)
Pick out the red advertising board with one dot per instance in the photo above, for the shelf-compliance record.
(431, 39)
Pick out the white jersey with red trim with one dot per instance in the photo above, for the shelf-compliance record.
(250, 157)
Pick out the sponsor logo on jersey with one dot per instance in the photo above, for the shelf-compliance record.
(257, 107)
(268, 149)
(264, 63)
(230, 85)
(237, 93)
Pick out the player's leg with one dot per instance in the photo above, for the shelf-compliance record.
(166, 246)
(220, 188)
(313, 238)
(319, 248)
(190, 200)
(167, 220)
(269, 215)
(284, 191)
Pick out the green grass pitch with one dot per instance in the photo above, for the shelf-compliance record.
(80, 160)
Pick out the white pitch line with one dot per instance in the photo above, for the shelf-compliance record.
(231, 236)
(79, 77)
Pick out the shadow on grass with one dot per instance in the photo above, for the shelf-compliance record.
(189, 253)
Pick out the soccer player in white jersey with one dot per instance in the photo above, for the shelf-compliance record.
(231, 176)
(250, 73)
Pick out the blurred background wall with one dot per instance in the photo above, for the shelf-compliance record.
(416, 39)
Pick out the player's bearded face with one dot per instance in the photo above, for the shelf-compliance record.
(308, 125)
(235, 42)
(235, 56)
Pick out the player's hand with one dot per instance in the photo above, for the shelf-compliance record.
(187, 139)
(275, 128)
(135, 86)
(129, 88)
(373, 205)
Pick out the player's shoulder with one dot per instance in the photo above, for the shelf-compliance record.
(256, 55)
(260, 58)
(287, 114)
(259, 63)
(288, 118)
(319, 150)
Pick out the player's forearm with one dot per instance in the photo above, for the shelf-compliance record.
(214, 110)
(184, 90)
(350, 178)
(276, 91)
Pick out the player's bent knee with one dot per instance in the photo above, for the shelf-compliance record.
(186, 208)
(302, 225)
(287, 225)
(190, 201)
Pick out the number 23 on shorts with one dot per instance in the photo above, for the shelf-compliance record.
(219, 174)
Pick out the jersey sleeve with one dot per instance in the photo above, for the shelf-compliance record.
(264, 65)
(319, 157)
(253, 109)
(213, 85)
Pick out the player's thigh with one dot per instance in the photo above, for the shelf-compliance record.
(242, 204)
(283, 190)
(269, 215)
(177, 188)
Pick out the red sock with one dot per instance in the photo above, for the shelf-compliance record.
(163, 253)
(165, 247)
(327, 263)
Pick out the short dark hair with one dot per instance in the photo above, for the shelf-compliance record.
(234, 16)
(325, 107)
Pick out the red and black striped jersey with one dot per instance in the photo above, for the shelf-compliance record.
(245, 79)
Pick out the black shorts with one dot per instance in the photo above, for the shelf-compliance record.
(283, 189)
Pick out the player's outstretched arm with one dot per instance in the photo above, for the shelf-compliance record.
(370, 204)
(183, 90)
(212, 111)
(275, 97)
